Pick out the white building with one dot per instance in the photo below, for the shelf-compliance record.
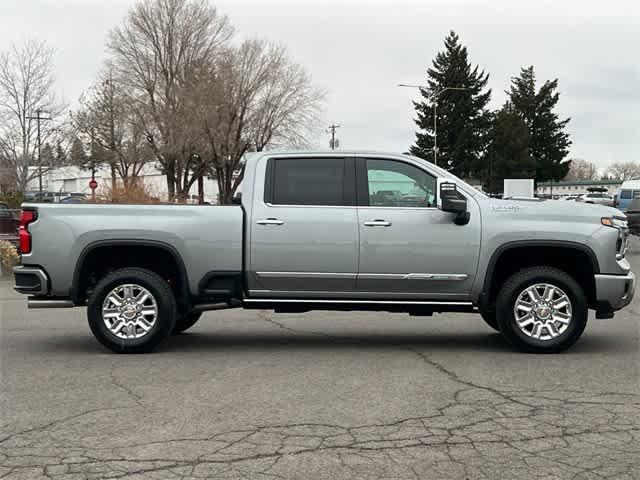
(577, 187)
(76, 180)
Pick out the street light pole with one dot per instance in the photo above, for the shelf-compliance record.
(434, 97)
(435, 133)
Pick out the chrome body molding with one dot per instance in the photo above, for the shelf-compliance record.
(306, 275)
(455, 277)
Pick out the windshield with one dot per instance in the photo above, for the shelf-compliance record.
(441, 172)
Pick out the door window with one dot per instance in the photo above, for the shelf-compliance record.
(399, 184)
(310, 181)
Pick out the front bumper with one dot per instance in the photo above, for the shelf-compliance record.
(615, 291)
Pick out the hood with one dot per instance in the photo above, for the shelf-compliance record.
(554, 209)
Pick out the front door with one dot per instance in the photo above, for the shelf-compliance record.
(304, 229)
(408, 247)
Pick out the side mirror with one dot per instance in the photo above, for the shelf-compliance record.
(237, 199)
(453, 201)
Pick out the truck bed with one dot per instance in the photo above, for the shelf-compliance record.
(206, 238)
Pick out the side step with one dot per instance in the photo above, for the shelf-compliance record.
(49, 303)
(290, 305)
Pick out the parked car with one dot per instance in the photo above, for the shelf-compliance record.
(633, 215)
(49, 197)
(570, 197)
(307, 237)
(74, 198)
(9, 223)
(628, 191)
(597, 197)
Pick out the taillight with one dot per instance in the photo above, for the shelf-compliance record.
(27, 217)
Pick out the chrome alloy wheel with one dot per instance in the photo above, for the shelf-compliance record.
(542, 311)
(129, 311)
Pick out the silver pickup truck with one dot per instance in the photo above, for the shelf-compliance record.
(331, 231)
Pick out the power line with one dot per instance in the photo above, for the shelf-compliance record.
(334, 142)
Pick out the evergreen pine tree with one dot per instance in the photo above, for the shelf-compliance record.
(78, 154)
(462, 116)
(47, 156)
(549, 142)
(508, 152)
(61, 155)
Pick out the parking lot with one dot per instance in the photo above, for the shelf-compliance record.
(318, 395)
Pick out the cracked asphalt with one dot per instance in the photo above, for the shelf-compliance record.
(317, 396)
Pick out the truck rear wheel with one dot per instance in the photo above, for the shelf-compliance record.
(185, 322)
(541, 310)
(132, 310)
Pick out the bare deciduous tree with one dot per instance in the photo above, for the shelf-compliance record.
(624, 170)
(110, 130)
(252, 97)
(582, 170)
(26, 86)
(155, 53)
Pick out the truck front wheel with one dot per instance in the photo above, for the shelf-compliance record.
(541, 310)
(489, 317)
(132, 310)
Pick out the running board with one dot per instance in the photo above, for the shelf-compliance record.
(416, 307)
(48, 303)
(385, 302)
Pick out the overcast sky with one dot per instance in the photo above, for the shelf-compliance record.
(359, 50)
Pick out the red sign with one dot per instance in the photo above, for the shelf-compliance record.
(93, 184)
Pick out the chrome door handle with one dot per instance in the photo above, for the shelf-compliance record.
(377, 223)
(270, 221)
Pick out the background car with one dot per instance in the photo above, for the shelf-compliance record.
(597, 198)
(9, 223)
(633, 216)
(74, 198)
(628, 191)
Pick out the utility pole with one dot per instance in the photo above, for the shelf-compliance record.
(434, 100)
(38, 118)
(334, 142)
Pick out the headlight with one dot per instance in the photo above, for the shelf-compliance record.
(614, 222)
(623, 233)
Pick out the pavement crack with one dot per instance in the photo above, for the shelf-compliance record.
(121, 386)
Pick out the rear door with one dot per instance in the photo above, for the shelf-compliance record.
(304, 229)
(409, 248)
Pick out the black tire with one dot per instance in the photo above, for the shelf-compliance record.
(489, 317)
(185, 322)
(161, 293)
(523, 279)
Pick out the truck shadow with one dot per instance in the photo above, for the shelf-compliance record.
(196, 341)
(491, 342)
(201, 342)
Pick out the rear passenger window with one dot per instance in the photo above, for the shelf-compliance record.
(308, 181)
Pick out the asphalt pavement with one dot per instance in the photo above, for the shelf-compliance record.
(317, 396)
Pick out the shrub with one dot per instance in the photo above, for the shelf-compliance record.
(12, 199)
(137, 193)
(9, 256)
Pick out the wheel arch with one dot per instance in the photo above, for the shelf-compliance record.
(80, 269)
(555, 247)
